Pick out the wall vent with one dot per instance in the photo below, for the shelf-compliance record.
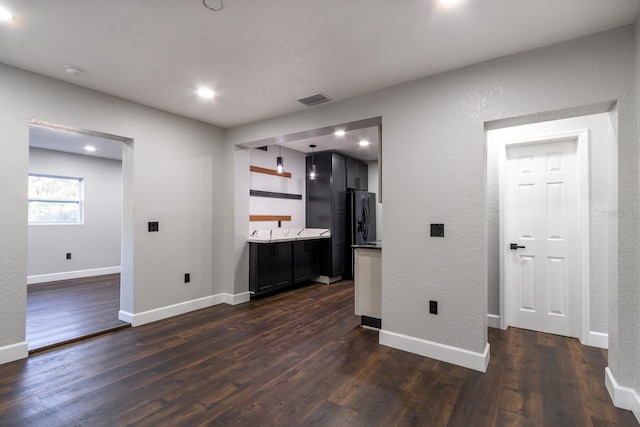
(315, 99)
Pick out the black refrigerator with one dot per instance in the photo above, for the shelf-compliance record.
(361, 224)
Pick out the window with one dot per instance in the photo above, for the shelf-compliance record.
(55, 200)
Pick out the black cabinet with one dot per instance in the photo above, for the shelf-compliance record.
(306, 264)
(357, 174)
(270, 266)
(326, 208)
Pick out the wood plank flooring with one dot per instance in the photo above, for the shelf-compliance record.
(63, 311)
(300, 359)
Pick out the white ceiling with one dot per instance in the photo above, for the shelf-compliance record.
(261, 56)
(74, 141)
(347, 144)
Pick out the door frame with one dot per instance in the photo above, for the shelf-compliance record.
(582, 156)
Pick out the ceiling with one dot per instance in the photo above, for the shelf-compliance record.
(347, 144)
(50, 137)
(261, 56)
(74, 141)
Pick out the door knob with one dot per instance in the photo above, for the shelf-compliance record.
(515, 246)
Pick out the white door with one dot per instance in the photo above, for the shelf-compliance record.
(542, 222)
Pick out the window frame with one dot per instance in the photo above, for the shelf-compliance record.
(79, 201)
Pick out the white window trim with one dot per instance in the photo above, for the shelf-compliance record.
(79, 202)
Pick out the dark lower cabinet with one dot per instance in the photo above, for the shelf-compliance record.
(306, 261)
(275, 266)
(270, 266)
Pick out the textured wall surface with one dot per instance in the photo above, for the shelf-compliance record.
(373, 188)
(294, 162)
(13, 213)
(631, 332)
(174, 175)
(434, 169)
(96, 242)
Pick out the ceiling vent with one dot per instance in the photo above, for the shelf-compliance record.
(315, 99)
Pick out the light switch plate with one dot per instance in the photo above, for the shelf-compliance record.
(437, 230)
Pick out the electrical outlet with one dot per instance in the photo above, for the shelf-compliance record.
(433, 307)
(187, 277)
(153, 226)
(68, 255)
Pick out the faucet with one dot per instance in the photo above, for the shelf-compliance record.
(253, 233)
(301, 230)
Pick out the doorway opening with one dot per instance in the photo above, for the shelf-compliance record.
(351, 149)
(75, 238)
(551, 253)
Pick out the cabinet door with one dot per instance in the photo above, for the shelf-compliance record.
(338, 183)
(357, 174)
(281, 265)
(300, 273)
(306, 261)
(338, 242)
(351, 173)
(313, 259)
(362, 176)
(261, 270)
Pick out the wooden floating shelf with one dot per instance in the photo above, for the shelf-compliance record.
(269, 217)
(266, 171)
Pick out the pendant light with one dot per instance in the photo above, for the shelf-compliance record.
(279, 162)
(312, 172)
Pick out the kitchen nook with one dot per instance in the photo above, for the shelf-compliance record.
(315, 217)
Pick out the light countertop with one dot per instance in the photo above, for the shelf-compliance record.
(376, 244)
(288, 235)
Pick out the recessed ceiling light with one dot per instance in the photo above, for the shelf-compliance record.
(339, 133)
(89, 148)
(73, 70)
(448, 2)
(363, 143)
(5, 14)
(205, 92)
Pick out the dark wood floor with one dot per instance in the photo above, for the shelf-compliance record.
(66, 310)
(300, 359)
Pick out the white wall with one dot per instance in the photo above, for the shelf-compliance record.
(294, 162)
(603, 149)
(434, 171)
(373, 188)
(94, 244)
(632, 311)
(174, 173)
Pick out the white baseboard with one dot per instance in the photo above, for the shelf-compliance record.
(12, 352)
(326, 279)
(622, 397)
(597, 339)
(161, 313)
(236, 299)
(433, 350)
(594, 339)
(66, 275)
(493, 321)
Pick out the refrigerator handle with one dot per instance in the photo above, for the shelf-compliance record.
(365, 221)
